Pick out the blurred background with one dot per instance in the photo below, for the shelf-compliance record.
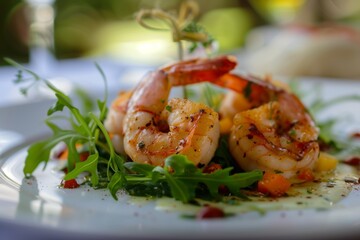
(70, 29)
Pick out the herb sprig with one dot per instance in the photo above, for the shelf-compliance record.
(183, 178)
(85, 130)
(182, 26)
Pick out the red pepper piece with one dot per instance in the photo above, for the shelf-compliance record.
(71, 184)
(210, 212)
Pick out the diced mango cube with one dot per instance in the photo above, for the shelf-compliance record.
(225, 125)
(326, 162)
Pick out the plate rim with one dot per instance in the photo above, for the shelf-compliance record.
(27, 141)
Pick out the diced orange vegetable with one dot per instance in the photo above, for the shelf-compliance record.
(83, 155)
(225, 125)
(111, 135)
(212, 168)
(64, 155)
(326, 162)
(306, 174)
(273, 184)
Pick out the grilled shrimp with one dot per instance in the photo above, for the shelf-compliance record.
(154, 128)
(276, 133)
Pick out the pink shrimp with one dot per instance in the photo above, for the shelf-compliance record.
(154, 128)
(275, 133)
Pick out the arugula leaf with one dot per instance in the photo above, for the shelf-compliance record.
(40, 151)
(103, 109)
(184, 179)
(116, 183)
(57, 107)
(90, 165)
(145, 169)
(73, 156)
(37, 153)
(86, 101)
(158, 174)
(186, 172)
(179, 189)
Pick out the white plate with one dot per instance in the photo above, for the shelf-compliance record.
(38, 208)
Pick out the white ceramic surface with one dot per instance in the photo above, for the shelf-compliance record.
(37, 208)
